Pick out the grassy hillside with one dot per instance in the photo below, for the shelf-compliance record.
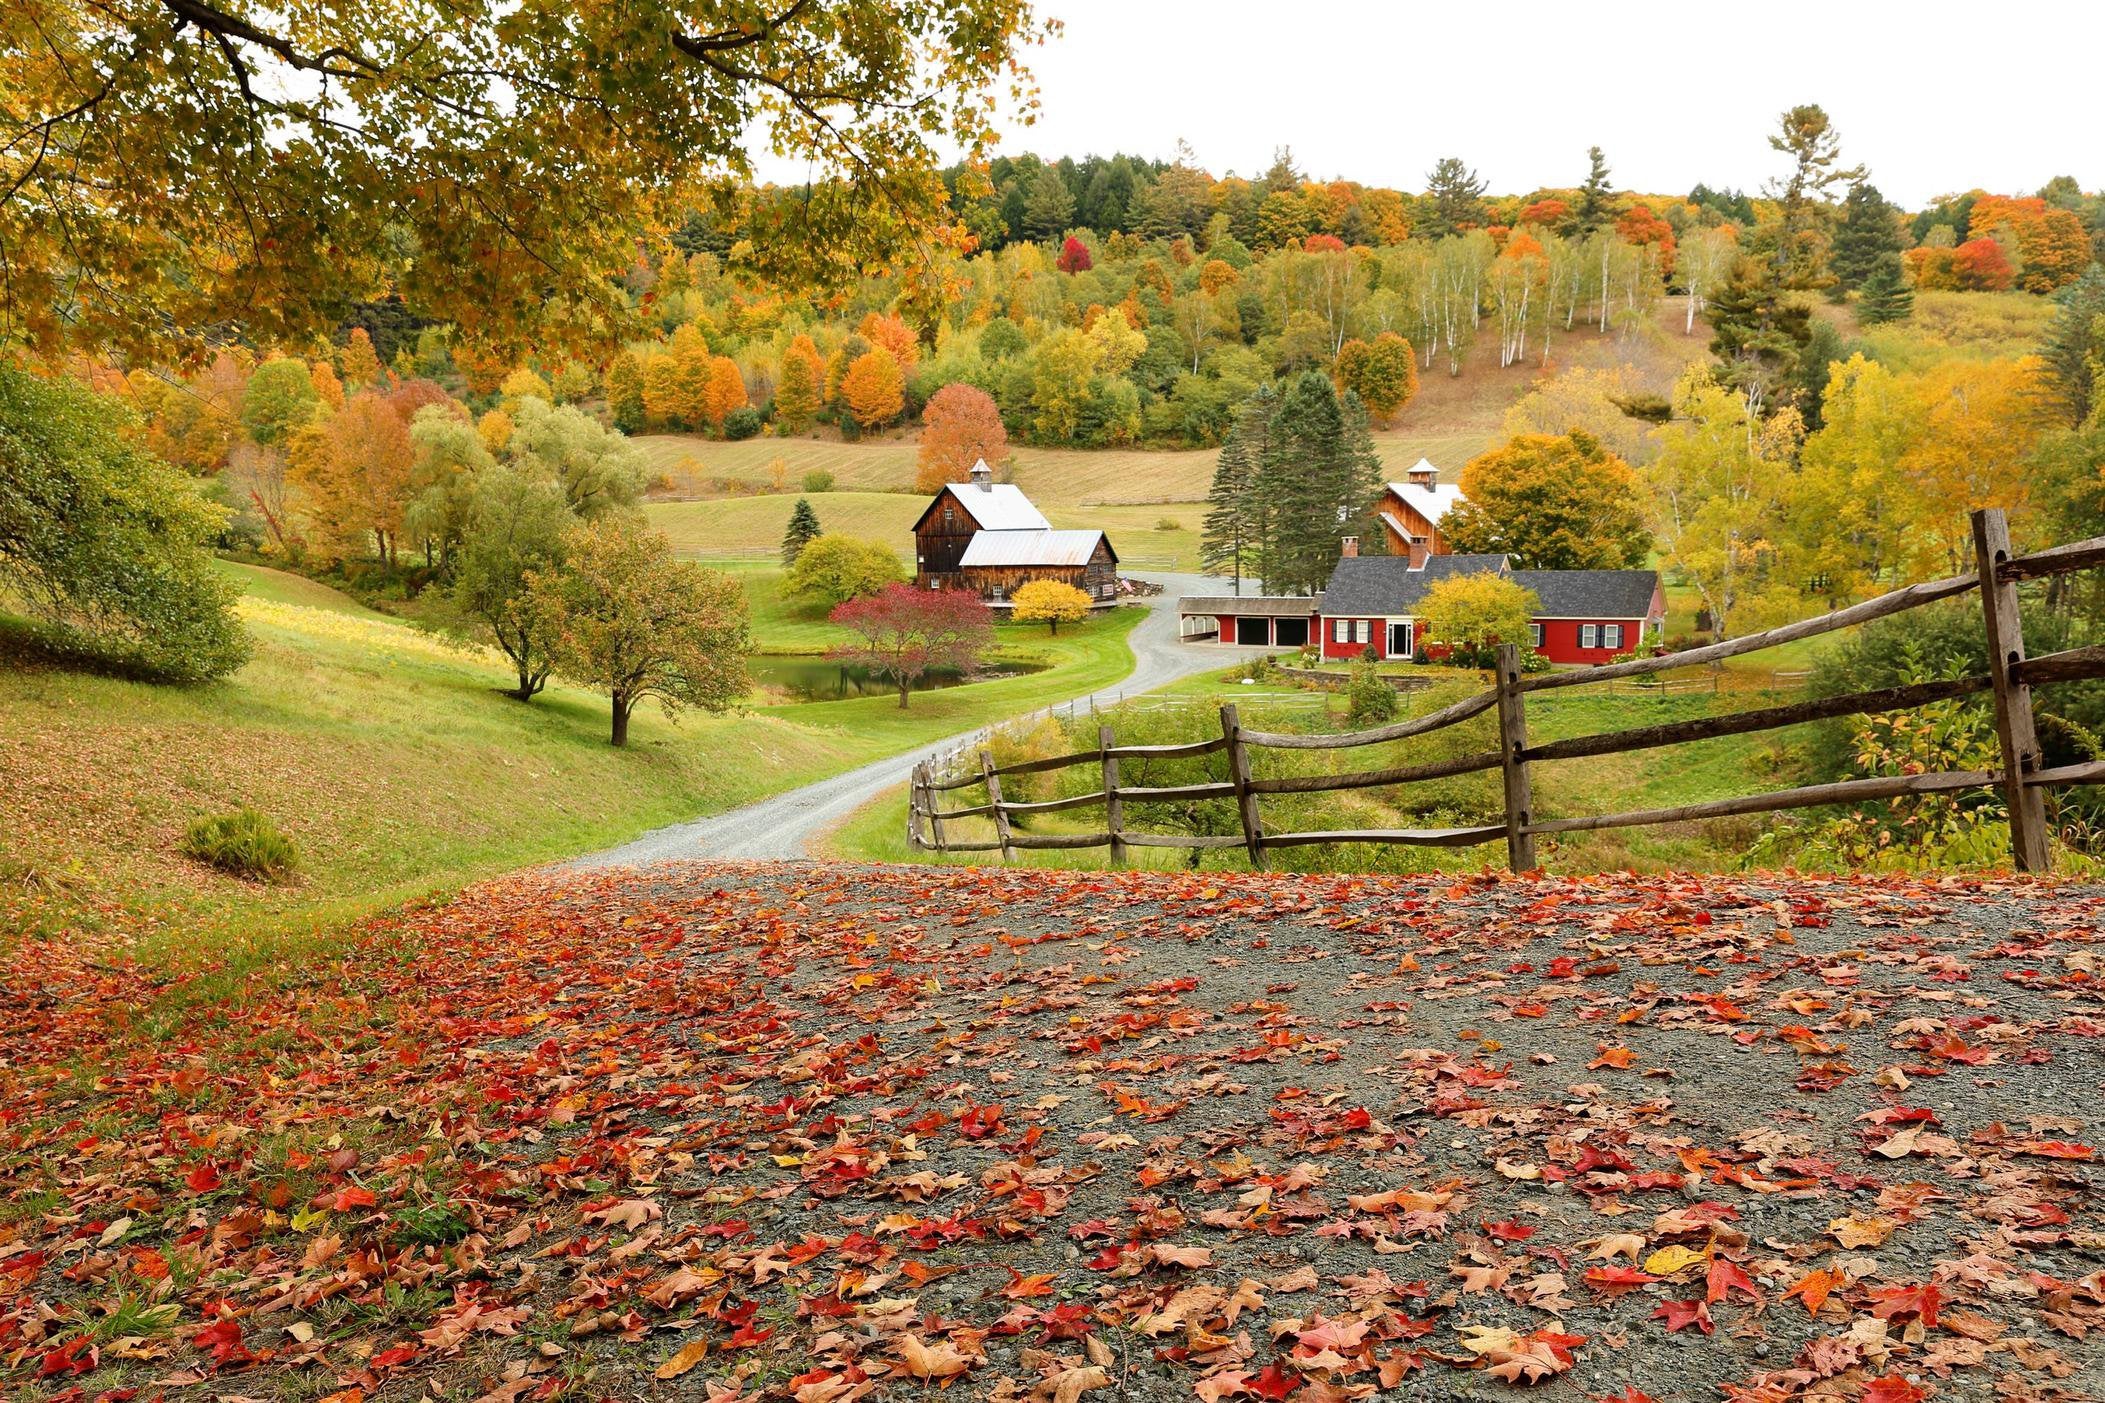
(393, 762)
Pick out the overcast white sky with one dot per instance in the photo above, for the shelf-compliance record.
(1933, 97)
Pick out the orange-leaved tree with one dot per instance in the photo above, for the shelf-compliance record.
(1382, 372)
(874, 388)
(354, 467)
(961, 426)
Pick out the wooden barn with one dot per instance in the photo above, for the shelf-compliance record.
(1411, 512)
(987, 537)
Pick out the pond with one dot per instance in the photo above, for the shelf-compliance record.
(817, 679)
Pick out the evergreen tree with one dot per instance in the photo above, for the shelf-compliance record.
(1868, 236)
(1885, 296)
(802, 531)
(1596, 196)
(1807, 136)
(2076, 342)
(1049, 210)
(1283, 178)
(1760, 336)
(1316, 483)
(1231, 539)
(1454, 199)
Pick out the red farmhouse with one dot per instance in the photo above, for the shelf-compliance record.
(1585, 616)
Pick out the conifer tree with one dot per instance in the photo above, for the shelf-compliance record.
(1596, 196)
(1760, 335)
(1868, 235)
(1316, 483)
(1228, 541)
(802, 531)
(1454, 198)
(1050, 208)
(2076, 343)
(1885, 295)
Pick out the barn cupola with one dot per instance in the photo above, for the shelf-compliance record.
(983, 476)
(1423, 475)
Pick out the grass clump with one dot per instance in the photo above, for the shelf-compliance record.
(244, 843)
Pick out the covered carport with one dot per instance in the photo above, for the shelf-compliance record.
(1250, 621)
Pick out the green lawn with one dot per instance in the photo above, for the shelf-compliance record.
(393, 761)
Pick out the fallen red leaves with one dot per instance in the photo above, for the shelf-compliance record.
(791, 1133)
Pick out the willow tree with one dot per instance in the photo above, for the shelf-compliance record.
(172, 170)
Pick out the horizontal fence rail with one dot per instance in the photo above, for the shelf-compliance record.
(2023, 778)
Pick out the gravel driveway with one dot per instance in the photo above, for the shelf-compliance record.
(786, 825)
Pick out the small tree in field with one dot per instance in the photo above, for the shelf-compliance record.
(836, 568)
(1054, 601)
(1473, 614)
(802, 530)
(902, 633)
(623, 615)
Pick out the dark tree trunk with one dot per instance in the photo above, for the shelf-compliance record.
(905, 689)
(622, 707)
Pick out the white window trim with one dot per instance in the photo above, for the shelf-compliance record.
(1538, 633)
(1362, 631)
(1341, 630)
(1589, 635)
(1612, 636)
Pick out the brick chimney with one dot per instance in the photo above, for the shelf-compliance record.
(1420, 550)
(983, 476)
(1349, 547)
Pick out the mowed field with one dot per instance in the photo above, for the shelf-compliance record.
(1150, 501)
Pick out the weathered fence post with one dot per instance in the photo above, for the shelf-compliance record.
(2014, 727)
(1239, 776)
(1114, 807)
(1001, 819)
(935, 808)
(1512, 746)
(916, 796)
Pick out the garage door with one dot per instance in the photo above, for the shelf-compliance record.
(1252, 631)
(1290, 633)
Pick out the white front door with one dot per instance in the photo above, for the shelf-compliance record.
(1400, 641)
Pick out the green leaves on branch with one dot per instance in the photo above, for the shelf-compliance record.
(104, 541)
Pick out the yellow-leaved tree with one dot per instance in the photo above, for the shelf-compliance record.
(1053, 602)
(1473, 614)
(165, 167)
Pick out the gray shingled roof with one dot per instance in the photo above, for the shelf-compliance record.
(1368, 585)
(1591, 594)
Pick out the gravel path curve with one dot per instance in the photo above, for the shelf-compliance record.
(786, 825)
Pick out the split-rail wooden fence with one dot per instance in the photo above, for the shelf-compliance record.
(2011, 677)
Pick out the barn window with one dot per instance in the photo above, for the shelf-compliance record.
(1536, 630)
(1612, 636)
(949, 515)
(1361, 630)
(1589, 635)
(1341, 631)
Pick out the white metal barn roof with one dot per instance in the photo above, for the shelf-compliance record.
(1046, 547)
(998, 506)
(1432, 503)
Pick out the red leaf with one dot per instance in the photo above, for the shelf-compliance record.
(1679, 1315)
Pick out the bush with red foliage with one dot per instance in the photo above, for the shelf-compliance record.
(1074, 256)
(902, 634)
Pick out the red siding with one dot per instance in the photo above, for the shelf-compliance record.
(1377, 638)
(1560, 640)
